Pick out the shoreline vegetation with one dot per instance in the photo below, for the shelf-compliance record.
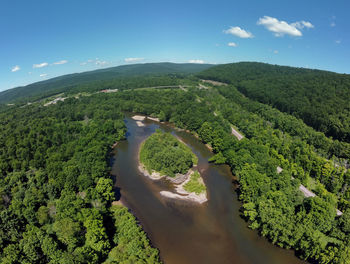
(188, 184)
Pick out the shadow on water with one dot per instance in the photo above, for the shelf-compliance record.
(185, 232)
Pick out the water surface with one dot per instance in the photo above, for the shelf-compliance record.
(186, 232)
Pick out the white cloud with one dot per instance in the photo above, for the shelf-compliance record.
(275, 51)
(15, 68)
(96, 61)
(44, 64)
(281, 28)
(60, 62)
(196, 61)
(302, 24)
(100, 63)
(332, 24)
(232, 44)
(338, 41)
(43, 75)
(131, 60)
(238, 32)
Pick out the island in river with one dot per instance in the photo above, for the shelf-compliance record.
(164, 156)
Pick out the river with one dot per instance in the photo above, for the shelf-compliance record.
(184, 232)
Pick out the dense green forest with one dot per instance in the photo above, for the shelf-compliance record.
(55, 188)
(321, 99)
(163, 153)
(115, 77)
(56, 192)
(272, 202)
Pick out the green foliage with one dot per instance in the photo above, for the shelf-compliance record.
(120, 77)
(95, 236)
(163, 153)
(55, 191)
(319, 98)
(195, 184)
(53, 168)
(132, 244)
(219, 158)
(104, 189)
(67, 231)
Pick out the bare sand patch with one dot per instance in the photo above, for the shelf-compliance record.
(138, 117)
(140, 124)
(179, 181)
(153, 176)
(201, 198)
(153, 118)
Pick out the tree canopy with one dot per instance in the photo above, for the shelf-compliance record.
(162, 152)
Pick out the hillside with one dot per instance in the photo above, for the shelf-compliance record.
(66, 82)
(320, 98)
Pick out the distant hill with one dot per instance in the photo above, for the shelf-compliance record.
(320, 98)
(61, 82)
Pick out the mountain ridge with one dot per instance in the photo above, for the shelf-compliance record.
(142, 69)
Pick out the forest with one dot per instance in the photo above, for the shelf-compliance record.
(164, 153)
(272, 202)
(56, 191)
(320, 98)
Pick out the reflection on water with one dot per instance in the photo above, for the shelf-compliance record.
(183, 231)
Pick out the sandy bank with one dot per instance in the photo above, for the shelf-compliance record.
(201, 198)
(179, 181)
(153, 118)
(138, 117)
(140, 124)
(153, 176)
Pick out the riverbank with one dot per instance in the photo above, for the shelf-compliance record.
(140, 118)
(191, 228)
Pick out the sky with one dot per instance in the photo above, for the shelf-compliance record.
(44, 39)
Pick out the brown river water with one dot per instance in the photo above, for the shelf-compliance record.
(186, 232)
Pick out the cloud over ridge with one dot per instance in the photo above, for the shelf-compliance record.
(196, 61)
(131, 60)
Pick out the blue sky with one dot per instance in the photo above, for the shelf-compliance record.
(45, 39)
